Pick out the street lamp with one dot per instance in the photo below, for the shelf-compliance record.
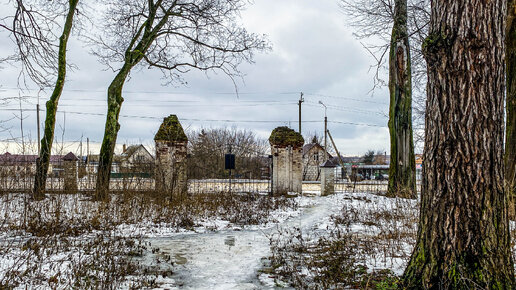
(325, 132)
(320, 102)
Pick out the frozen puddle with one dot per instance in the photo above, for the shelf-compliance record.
(231, 259)
(223, 260)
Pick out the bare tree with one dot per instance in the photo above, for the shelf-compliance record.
(313, 137)
(402, 169)
(373, 21)
(409, 22)
(463, 239)
(207, 148)
(33, 29)
(174, 36)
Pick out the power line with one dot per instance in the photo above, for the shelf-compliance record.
(186, 106)
(346, 98)
(210, 93)
(181, 104)
(163, 92)
(206, 120)
(348, 109)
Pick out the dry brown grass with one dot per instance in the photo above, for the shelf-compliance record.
(367, 238)
(69, 241)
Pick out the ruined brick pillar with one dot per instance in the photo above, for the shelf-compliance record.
(70, 162)
(171, 142)
(327, 178)
(287, 166)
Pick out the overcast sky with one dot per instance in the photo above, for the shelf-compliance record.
(313, 52)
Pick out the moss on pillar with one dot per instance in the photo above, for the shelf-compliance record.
(284, 136)
(171, 130)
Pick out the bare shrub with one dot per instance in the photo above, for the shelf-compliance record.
(69, 241)
(366, 243)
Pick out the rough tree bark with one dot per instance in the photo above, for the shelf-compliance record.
(112, 126)
(510, 134)
(175, 37)
(402, 171)
(114, 99)
(43, 161)
(463, 239)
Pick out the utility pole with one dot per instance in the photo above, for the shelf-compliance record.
(39, 125)
(325, 133)
(336, 150)
(343, 166)
(81, 147)
(39, 137)
(21, 126)
(325, 136)
(301, 100)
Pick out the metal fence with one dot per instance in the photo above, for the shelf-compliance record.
(19, 177)
(229, 185)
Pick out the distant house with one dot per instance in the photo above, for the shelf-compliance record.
(342, 172)
(21, 165)
(382, 159)
(135, 158)
(134, 155)
(313, 157)
(356, 165)
(92, 163)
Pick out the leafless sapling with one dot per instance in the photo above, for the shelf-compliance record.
(174, 36)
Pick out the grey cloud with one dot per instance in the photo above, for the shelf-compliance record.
(313, 52)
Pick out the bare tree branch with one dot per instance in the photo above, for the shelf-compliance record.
(173, 36)
(372, 21)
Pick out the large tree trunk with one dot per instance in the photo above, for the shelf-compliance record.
(510, 135)
(402, 171)
(463, 238)
(133, 56)
(43, 161)
(111, 132)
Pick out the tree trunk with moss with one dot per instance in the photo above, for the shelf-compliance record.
(115, 100)
(510, 135)
(43, 161)
(402, 171)
(463, 239)
(135, 52)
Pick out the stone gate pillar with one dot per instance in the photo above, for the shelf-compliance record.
(171, 142)
(287, 154)
(70, 172)
(327, 178)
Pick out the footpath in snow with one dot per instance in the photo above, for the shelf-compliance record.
(232, 258)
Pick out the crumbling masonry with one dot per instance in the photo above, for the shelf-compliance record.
(327, 178)
(171, 143)
(287, 155)
(70, 172)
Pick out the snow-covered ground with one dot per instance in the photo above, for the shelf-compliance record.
(231, 258)
(214, 253)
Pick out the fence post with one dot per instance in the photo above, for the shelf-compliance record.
(327, 178)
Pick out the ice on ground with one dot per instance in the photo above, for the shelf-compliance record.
(216, 254)
(230, 259)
